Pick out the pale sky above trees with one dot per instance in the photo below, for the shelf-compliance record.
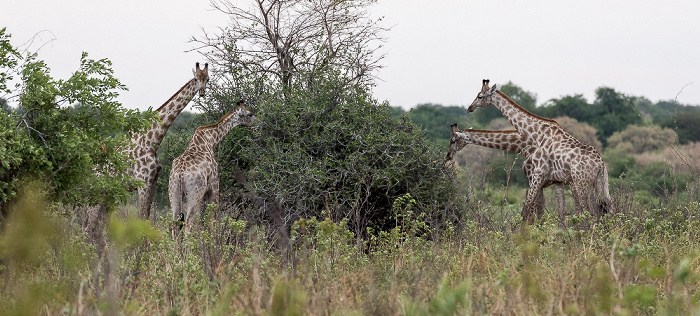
(437, 51)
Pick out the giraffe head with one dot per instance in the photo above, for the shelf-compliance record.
(457, 142)
(484, 98)
(202, 77)
(243, 115)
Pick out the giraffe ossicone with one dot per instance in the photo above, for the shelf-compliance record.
(556, 156)
(195, 173)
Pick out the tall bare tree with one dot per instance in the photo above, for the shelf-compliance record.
(297, 40)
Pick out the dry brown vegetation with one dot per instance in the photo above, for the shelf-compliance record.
(636, 261)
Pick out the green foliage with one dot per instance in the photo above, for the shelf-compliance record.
(615, 112)
(638, 262)
(131, 232)
(686, 125)
(447, 301)
(436, 120)
(575, 107)
(44, 256)
(331, 148)
(67, 132)
(288, 298)
(9, 58)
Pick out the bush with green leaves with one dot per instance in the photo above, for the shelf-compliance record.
(336, 152)
(65, 132)
(329, 150)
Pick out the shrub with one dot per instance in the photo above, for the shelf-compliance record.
(326, 150)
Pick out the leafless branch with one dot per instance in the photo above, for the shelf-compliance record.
(287, 38)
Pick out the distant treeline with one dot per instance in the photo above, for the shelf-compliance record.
(610, 112)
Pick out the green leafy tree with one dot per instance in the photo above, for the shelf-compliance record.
(615, 113)
(322, 145)
(575, 107)
(328, 151)
(65, 132)
(436, 120)
(686, 124)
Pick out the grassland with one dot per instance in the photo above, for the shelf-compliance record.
(640, 260)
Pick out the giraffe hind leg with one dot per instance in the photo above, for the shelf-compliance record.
(193, 207)
(559, 191)
(175, 196)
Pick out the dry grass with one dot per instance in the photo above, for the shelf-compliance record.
(640, 262)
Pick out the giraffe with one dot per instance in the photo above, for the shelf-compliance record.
(557, 156)
(142, 150)
(509, 140)
(195, 173)
(145, 165)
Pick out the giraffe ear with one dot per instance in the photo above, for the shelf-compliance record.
(454, 128)
(495, 88)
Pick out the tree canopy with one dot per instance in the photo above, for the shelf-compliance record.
(67, 133)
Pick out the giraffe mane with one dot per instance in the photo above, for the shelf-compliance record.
(217, 123)
(173, 96)
(526, 111)
(491, 131)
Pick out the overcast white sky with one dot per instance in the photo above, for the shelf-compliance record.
(437, 51)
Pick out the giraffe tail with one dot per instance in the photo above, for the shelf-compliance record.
(603, 191)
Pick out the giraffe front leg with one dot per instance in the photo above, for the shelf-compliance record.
(531, 201)
(214, 194)
(146, 194)
(539, 210)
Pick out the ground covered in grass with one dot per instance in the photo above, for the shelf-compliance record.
(641, 262)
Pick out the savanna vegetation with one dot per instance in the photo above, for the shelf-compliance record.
(334, 202)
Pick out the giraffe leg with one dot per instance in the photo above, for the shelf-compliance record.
(530, 206)
(94, 226)
(148, 191)
(539, 210)
(214, 194)
(559, 191)
(193, 206)
(146, 198)
(175, 196)
(579, 199)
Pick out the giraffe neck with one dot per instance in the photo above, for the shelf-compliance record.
(214, 134)
(510, 140)
(169, 111)
(528, 124)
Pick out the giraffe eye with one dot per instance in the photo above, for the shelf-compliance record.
(479, 97)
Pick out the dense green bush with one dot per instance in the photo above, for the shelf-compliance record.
(327, 150)
(66, 133)
(333, 151)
